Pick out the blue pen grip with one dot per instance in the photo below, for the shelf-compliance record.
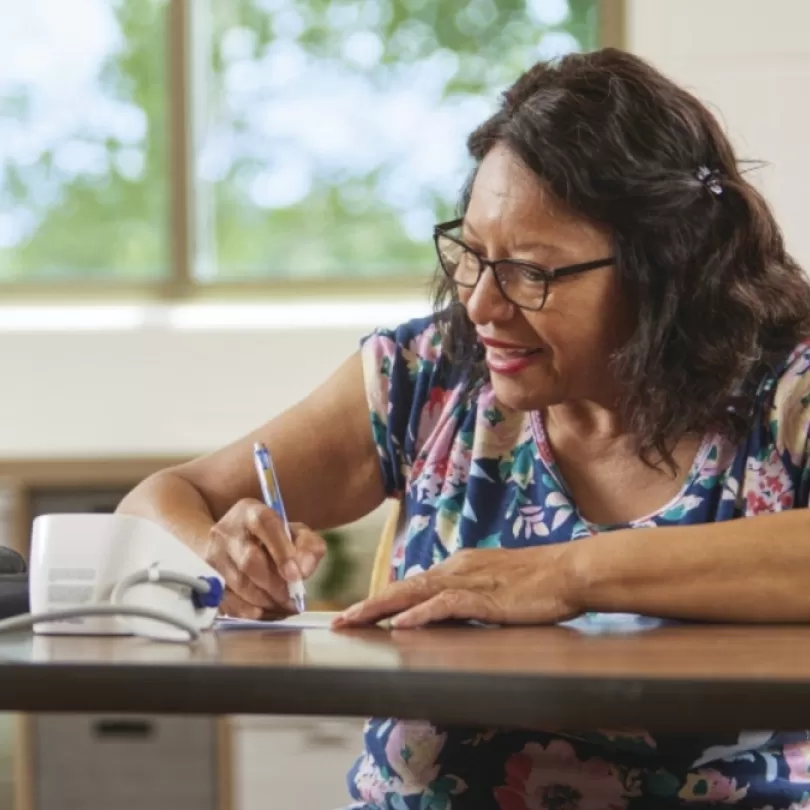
(270, 486)
(276, 491)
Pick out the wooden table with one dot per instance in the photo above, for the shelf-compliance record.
(691, 678)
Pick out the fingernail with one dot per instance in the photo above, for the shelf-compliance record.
(307, 563)
(291, 571)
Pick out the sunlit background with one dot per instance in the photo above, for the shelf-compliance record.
(326, 137)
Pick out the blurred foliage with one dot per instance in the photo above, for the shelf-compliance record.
(338, 567)
(108, 224)
(113, 223)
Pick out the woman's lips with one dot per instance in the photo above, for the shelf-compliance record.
(509, 361)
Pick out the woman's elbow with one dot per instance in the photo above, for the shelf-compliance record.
(144, 497)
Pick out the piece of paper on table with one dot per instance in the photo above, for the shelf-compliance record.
(612, 623)
(310, 620)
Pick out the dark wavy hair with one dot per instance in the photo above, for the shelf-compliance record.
(717, 298)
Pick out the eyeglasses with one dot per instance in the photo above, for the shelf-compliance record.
(522, 283)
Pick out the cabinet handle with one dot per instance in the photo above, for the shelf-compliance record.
(124, 729)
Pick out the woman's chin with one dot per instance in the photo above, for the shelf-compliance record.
(521, 394)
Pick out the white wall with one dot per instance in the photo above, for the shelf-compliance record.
(750, 60)
(159, 389)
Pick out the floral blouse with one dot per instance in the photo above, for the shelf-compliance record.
(473, 474)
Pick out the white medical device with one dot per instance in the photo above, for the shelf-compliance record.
(111, 574)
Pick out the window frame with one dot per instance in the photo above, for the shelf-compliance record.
(179, 283)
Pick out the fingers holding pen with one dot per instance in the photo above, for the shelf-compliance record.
(297, 557)
(263, 558)
(250, 547)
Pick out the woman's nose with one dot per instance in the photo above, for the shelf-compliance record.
(485, 303)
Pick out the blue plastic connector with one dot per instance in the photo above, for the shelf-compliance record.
(212, 599)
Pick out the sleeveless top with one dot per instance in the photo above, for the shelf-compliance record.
(473, 474)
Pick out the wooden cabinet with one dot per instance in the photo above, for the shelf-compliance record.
(126, 762)
(299, 762)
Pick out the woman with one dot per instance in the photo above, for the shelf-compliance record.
(619, 358)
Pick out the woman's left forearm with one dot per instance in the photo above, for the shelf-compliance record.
(748, 570)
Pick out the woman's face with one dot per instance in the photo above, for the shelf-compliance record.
(584, 319)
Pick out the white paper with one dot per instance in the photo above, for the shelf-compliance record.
(612, 623)
(310, 620)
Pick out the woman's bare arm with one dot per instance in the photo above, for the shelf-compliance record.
(325, 458)
(754, 569)
(751, 570)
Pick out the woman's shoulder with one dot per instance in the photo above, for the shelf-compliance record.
(416, 350)
(411, 386)
(791, 378)
(418, 337)
(789, 413)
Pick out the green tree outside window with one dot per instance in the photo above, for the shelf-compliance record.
(329, 136)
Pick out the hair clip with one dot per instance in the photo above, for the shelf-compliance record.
(710, 179)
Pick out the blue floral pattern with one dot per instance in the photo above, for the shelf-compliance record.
(473, 474)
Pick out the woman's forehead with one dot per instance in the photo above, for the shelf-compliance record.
(503, 182)
(508, 202)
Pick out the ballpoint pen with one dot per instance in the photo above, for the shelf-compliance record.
(272, 497)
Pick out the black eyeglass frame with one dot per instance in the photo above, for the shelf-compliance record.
(549, 274)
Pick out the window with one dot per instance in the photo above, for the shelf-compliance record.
(242, 142)
(83, 159)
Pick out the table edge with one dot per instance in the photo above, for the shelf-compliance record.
(519, 700)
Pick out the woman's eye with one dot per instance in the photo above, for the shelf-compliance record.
(536, 275)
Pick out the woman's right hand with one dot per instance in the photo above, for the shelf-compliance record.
(252, 552)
